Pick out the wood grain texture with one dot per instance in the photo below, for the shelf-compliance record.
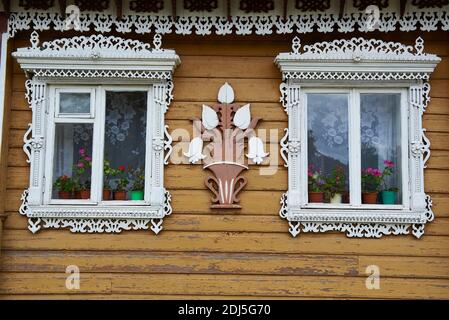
(248, 253)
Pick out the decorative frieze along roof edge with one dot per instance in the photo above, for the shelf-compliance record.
(431, 19)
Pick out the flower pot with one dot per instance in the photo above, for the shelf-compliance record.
(106, 194)
(137, 195)
(85, 194)
(77, 194)
(119, 195)
(369, 197)
(64, 195)
(336, 198)
(316, 196)
(388, 197)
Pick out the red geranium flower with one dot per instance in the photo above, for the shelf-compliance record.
(121, 168)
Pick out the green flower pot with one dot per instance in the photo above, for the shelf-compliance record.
(388, 197)
(137, 195)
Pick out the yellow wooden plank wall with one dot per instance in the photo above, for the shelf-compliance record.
(243, 253)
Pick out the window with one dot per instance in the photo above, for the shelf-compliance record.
(355, 147)
(98, 142)
(94, 167)
(354, 144)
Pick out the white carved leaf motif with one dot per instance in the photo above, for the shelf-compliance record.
(256, 151)
(242, 117)
(226, 94)
(210, 117)
(195, 150)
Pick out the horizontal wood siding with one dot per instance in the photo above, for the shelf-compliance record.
(247, 253)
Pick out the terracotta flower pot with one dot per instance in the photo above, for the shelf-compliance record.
(106, 194)
(316, 197)
(119, 195)
(77, 194)
(64, 195)
(369, 197)
(85, 194)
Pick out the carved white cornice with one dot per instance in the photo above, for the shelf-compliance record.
(97, 56)
(357, 59)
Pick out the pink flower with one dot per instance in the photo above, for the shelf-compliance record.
(82, 151)
(87, 158)
(389, 164)
(80, 165)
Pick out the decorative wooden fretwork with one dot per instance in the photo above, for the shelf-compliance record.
(312, 5)
(362, 4)
(200, 5)
(255, 6)
(89, 5)
(146, 5)
(430, 3)
(36, 4)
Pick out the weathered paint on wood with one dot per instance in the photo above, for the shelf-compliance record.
(247, 253)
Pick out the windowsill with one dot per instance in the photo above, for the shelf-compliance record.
(88, 210)
(106, 203)
(347, 206)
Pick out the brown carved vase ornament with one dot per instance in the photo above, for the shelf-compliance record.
(225, 126)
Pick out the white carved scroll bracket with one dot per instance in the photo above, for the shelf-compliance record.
(168, 148)
(283, 88)
(168, 94)
(426, 95)
(27, 143)
(283, 212)
(284, 147)
(421, 148)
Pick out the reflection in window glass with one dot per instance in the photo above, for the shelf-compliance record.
(74, 102)
(381, 146)
(124, 149)
(328, 148)
(72, 161)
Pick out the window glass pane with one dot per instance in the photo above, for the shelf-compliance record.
(381, 146)
(74, 102)
(124, 149)
(328, 147)
(72, 161)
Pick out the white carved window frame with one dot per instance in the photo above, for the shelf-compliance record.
(357, 63)
(110, 62)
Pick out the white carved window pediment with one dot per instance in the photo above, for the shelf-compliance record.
(359, 65)
(96, 62)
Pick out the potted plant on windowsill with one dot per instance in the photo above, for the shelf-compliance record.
(65, 186)
(108, 173)
(388, 194)
(82, 190)
(316, 185)
(138, 185)
(371, 180)
(120, 189)
(335, 185)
